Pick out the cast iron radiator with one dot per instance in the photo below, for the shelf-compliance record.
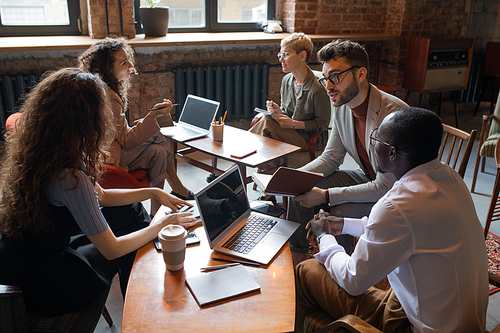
(13, 88)
(238, 88)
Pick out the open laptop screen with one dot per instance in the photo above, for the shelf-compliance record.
(222, 202)
(199, 111)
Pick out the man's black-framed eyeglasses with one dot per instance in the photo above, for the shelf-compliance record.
(334, 78)
(373, 139)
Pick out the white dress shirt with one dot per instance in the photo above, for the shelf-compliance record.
(425, 236)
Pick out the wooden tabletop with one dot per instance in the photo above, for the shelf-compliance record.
(237, 140)
(158, 300)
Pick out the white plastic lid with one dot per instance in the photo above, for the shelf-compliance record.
(172, 231)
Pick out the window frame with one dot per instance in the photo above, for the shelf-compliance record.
(211, 20)
(73, 28)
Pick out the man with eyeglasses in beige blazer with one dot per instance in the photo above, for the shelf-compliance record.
(359, 108)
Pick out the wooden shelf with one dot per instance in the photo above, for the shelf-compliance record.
(171, 39)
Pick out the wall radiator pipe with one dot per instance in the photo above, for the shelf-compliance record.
(238, 88)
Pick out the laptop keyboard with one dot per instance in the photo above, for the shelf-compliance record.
(250, 235)
(189, 132)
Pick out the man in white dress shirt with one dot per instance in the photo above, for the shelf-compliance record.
(423, 235)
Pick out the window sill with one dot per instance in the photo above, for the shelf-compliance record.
(171, 39)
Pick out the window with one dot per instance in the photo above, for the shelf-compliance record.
(39, 17)
(214, 15)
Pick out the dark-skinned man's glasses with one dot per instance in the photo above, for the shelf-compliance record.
(373, 139)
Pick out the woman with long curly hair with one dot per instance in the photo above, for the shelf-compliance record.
(56, 242)
(141, 146)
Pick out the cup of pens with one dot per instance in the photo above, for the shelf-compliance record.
(218, 128)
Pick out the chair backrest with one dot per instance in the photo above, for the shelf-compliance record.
(494, 209)
(495, 121)
(456, 148)
(15, 318)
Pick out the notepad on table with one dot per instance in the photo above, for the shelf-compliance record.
(221, 284)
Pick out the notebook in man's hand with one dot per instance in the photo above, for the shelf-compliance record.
(221, 284)
(287, 181)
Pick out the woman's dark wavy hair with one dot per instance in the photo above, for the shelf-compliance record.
(100, 59)
(65, 122)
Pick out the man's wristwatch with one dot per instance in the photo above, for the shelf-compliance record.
(321, 235)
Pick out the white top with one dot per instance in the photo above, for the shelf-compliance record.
(425, 236)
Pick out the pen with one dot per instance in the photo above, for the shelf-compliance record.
(238, 261)
(162, 107)
(209, 268)
(224, 119)
(264, 94)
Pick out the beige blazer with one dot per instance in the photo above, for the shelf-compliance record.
(342, 141)
(125, 136)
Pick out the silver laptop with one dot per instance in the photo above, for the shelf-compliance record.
(225, 212)
(195, 119)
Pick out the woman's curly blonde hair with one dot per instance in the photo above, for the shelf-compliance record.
(65, 123)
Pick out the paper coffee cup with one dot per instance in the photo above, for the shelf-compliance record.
(217, 132)
(173, 241)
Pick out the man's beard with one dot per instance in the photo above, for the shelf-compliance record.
(348, 94)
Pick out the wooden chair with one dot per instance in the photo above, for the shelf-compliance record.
(490, 132)
(494, 208)
(456, 148)
(15, 318)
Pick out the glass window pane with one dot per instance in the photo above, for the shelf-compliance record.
(34, 12)
(184, 13)
(241, 11)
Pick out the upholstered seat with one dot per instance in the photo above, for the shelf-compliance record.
(15, 318)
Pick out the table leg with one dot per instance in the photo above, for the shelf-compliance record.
(173, 147)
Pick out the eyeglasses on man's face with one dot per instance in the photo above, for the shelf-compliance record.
(373, 139)
(334, 78)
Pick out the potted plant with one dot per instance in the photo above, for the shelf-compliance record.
(154, 19)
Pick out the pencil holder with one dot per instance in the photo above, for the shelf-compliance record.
(217, 131)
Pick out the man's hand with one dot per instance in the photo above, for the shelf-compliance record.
(323, 223)
(316, 196)
(318, 225)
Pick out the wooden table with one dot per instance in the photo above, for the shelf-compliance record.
(236, 140)
(158, 300)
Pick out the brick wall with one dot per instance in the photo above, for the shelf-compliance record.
(438, 18)
(484, 23)
(97, 18)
